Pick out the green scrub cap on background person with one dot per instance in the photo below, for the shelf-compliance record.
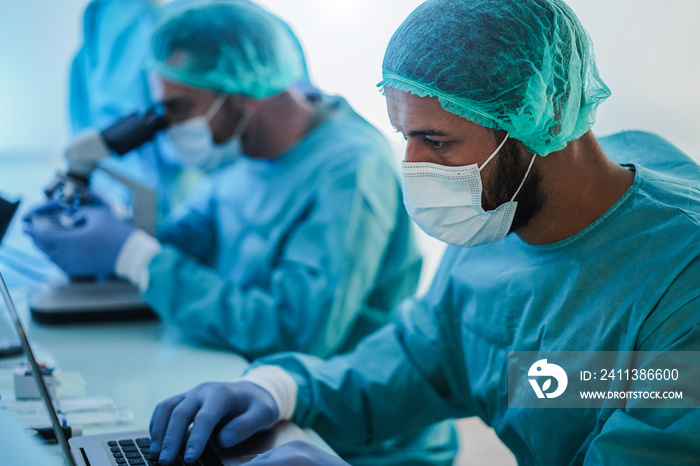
(233, 47)
(523, 66)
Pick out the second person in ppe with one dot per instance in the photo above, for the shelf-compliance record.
(109, 80)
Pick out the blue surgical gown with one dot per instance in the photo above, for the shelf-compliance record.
(627, 282)
(308, 251)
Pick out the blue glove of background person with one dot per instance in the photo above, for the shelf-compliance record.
(243, 409)
(83, 241)
(297, 453)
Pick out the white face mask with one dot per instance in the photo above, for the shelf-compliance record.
(445, 202)
(195, 143)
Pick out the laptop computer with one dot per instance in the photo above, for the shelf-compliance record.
(131, 448)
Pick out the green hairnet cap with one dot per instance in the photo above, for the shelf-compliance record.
(233, 47)
(523, 66)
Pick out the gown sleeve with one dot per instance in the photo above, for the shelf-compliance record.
(326, 268)
(405, 376)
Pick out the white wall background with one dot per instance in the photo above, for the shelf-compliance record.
(647, 53)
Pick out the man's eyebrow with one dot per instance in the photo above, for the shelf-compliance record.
(175, 101)
(426, 132)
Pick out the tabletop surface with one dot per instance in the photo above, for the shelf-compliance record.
(136, 363)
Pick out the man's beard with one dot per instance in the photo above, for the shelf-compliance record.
(509, 172)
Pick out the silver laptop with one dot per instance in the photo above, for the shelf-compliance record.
(131, 448)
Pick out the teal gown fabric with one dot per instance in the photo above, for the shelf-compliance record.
(306, 252)
(627, 282)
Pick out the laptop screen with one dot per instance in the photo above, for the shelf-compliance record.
(29, 354)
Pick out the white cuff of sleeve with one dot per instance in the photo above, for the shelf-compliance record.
(134, 257)
(279, 384)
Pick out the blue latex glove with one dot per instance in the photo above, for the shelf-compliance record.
(297, 453)
(82, 241)
(243, 409)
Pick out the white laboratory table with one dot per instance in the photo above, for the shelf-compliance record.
(137, 364)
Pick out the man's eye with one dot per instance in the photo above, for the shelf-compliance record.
(437, 145)
(179, 110)
(176, 109)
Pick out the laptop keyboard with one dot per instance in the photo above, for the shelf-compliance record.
(135, 452)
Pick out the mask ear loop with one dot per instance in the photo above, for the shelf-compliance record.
(525, 178)
(215, 106)
(495, 152)
(242, 123)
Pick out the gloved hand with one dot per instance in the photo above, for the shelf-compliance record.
(297, 453)
(83, 241)
(242, 407)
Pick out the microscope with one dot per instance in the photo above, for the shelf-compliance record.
(89, 298)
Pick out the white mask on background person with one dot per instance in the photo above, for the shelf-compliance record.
(445, 202)
(230, 150)
(194, 141)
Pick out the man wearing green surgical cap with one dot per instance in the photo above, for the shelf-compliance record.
(109, 79)
(569, 255)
